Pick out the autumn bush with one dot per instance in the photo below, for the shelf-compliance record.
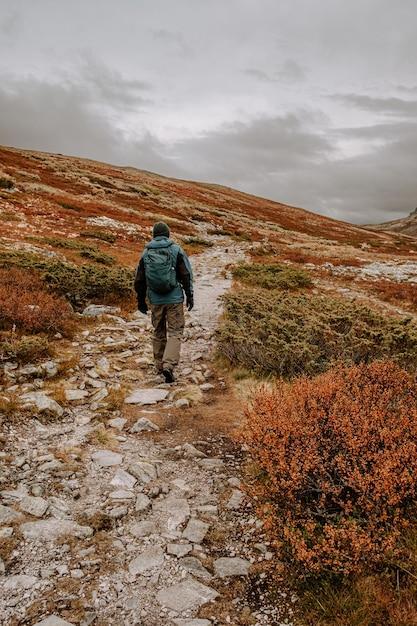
(78, 284)
(336, 466)
(26, 305)
(271, 276)
(23, 348)
(291, 334)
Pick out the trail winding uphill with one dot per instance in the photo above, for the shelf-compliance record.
(119, 505)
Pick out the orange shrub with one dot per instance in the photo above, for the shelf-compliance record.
(25, 303)
(337, 461)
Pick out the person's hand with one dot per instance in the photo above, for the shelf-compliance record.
(143, 307)
(190, 302)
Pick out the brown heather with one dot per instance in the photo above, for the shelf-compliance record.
(337, 459)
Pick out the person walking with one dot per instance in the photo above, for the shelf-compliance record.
(163, 276)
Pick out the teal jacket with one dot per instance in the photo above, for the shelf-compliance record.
(184, 276)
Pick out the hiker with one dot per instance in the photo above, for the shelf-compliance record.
(163, 275)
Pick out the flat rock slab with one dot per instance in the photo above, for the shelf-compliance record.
(231, 566)
(117, 423)
(144, 471)
(142, 503)
(123, 479)
(143, 529)
(189, 594)
(193, 566)
(72, 395)
(95, 310)
(149, 559)
(192, 622)
(53, 620)
(195, 530)
(176, 510)
(52, 529)
(107, 458)
(42, 402)
(143, 424)
(235, 500)
(35, 506)
(8, 515)
(147, 396)
(20, 581)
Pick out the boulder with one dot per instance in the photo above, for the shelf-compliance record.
(147, 396)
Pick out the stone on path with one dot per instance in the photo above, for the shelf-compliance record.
(195, 530)
(52, 529)
(179, 549)
(193, 566)
(142, 529)
(145, 472)
(147, 396)
(149, 559)
(123, 479)
(192, 622)
(33, 505)
(95, 310)
(231, 566)
(107, 458)
(117, 423)
(20, 581)
(8, 515)
(143, 424)
(235, 500)
(142, 503)
(72, 395)
(211, 464)
(177, 511)
(42, 402)
(186, 595)
(192, 452)
(53, 620)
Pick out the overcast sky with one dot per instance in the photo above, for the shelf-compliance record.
(308, 102)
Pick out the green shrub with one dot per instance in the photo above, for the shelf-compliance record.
(77, 283)
(97, 256)
(99, 234)
(272, 276)
(6, 182)
(24, 349)
(292, 334)
(69, 244)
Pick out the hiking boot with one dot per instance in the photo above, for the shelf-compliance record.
(168, 375)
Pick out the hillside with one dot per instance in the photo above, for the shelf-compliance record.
(58, 196)
(125, 500)
(405, 225)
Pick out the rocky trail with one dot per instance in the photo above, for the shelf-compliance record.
(110, 511)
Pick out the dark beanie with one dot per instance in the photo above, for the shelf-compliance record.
(160, 229)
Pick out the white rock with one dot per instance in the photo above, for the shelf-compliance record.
(206, 387)
(182, 403)
(179, 549)
(176, 510)
(142, 503)
(191, 452)
(192, 622)
(145, 472)
(149, 559)
(142, 529)
(231, 566)
(143, 424)
(103, 366)
(189, 594)
(235, 500)
(107, 458)
(122, 494)
(8, 515)
(20, 581)
(72, 395)
(42, 402)
(123, 479)
(34, 506)
(117, 423)
(53, 620)
(95, 310)
(193, 566)
(195, 530)
(52, 529)
(147, 396)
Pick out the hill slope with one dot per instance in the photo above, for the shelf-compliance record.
(44, 195)
(405, 225)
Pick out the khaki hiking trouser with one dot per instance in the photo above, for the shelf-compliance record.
(168, 324)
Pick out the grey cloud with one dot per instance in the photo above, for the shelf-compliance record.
(289, 72)
(61, 118)
(10, 24)
(110, 87)
(172, 38)
(388, 106)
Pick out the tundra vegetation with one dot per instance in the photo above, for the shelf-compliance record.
(332, 445)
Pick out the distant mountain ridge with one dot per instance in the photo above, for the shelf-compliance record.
(405, 225)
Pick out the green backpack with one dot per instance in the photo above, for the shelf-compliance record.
(160, 269)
